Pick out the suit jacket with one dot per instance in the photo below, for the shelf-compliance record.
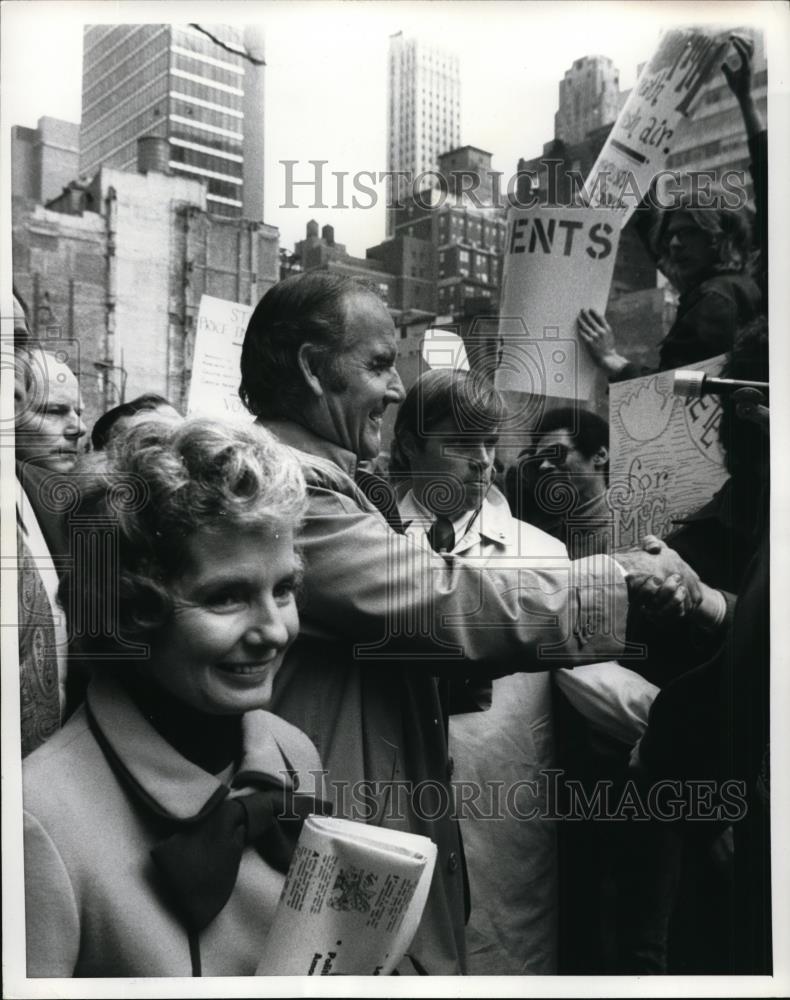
(381, 617)
(94, 903)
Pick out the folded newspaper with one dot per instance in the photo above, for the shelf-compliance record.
(351, 902)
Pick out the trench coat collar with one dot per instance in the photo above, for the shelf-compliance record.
(171, 785)
(303, 439)
(494, 523)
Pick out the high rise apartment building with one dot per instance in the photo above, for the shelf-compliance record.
(423, 109)
(176, 82)
(467, 239)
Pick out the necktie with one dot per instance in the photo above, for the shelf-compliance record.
(441, 536)
(200, 863)
(38, 664)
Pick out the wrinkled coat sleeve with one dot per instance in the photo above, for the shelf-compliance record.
(396, 599)
(51, 914)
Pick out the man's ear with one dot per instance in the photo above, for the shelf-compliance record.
(601, 457)
(307, 357)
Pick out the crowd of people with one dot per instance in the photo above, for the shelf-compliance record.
(229, 624)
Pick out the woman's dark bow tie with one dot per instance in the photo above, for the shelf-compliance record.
(199, 864)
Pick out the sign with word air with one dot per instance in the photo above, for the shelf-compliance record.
(665, 457)
(558, 261)
(642, 137)
(214, 388)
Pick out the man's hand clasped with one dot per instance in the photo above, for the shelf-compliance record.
(660, 583)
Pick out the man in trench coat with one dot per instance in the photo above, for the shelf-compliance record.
(382, 617)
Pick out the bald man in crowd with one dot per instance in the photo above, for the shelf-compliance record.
(50, 433)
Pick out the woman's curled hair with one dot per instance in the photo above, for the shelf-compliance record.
(141, 500)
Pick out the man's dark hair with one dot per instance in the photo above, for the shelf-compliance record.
(304, 308)
(103, 428)
(476, 407)
(588, 431)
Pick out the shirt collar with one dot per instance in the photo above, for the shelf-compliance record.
(412, 510)
(494, 522)
(170, 784)
(597, 506)
(297, 436)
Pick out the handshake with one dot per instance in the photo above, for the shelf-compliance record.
(665, 587)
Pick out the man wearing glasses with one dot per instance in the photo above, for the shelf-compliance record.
(560, 481)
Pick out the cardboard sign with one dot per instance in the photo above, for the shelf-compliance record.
(557, 262)
(444, 349)
(642, 137)
(665, 456)
(214, 388)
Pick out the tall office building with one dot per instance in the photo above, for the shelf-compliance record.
(714, 138)
(589, 98)
(423, 109)
(199, 89)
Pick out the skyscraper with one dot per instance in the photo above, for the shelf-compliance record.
(714, 137)
(589, 98)
(201, 89)
(423, 109)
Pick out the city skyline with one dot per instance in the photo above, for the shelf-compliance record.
(326, 92)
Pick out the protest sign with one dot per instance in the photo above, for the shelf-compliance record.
(665, 456)
(557, 262)
(351, 902)
(444, 349)
(214, 388)
(642, 137)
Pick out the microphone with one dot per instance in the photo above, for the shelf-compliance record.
(693, 385)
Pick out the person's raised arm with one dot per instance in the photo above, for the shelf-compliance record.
(740, 83)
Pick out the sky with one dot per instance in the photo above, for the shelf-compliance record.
(325, 96)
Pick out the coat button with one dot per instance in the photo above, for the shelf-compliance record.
(450, 767)
(452, 862)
